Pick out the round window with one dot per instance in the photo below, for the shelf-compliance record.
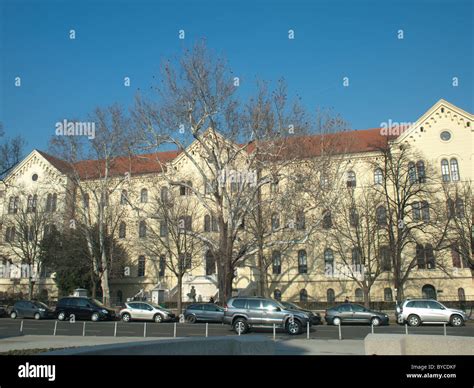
(445, 135)
(34, 177)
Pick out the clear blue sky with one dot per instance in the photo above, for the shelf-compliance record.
(389, 78)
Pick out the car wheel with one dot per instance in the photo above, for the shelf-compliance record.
(375, 321)
(336, 321)
(240, 325)
(294, 327)
(37, 316)
(95, 317)
(456, 320)
(158, 318)
(13, 315)
(414, 320)
(61, 316)
(126, 317)
(191, 319)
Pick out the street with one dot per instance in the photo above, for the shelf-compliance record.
(10, 328)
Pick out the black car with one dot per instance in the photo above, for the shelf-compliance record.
(354, 313)
(315, 317)
(31, 309)
(204, 312)
(3, 312)
(83, 308)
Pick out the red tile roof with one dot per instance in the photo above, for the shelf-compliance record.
(296, 147)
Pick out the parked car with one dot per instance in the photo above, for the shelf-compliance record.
(3, 312)
(315, 317)
(418, 311)
(204, 312)
(245, 313)
(146, 312)
(83, 308)
(354, 313)
(31, 309)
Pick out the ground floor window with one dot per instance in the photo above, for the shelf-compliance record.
(428, 291)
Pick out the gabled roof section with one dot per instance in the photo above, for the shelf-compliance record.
(442, 107)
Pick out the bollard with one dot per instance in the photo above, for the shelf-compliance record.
(174, 333)
(372, 326)
(307, 330)
(406, 329)
(21, 327)
(274, 332)
(84, 329)
(55, 327)
(444, 324)
(115, 329)
(144, 330)
(207, 329)
(340, 333)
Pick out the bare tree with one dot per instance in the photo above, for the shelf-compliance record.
(25, 228)
(99, 166)
(11, 151)
(171, 237)
(408, 213)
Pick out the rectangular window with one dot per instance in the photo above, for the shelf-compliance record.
(141, 266)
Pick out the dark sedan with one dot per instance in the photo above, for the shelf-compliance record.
(204, 312)
(354, 313)
(314, 317)
(31, 309)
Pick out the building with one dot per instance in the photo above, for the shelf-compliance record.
(442, 138)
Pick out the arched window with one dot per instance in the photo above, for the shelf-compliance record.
(330, 295)
(210, 264)
(16, 205)
(454, 170)
(356, 259)
(123, 197)
(141, 266)
(275, 221)
(456, 257)
(359, 295)
(384, 258)
(29, 204)
(459, 208)
(207, 223)
(351, 179)
(327, 219)
(300, 220)
(214, 224)
(378, 176)
(122, 230)
(353, 217)
(48, 202)
(420, 170)
(54, 202)
(445, 170)
(412, 172)
(428, 292)
(381, 215)
(302, 261)
(387, 295)
(425, 211)
(277, 294)
(276, 261)
(11, 205)
(303, 296)
(461, 295)
(163, 228)
(85, 200)
(142, 229)
(144, 196)
(328, 261)
(164, 195)
(416, 211)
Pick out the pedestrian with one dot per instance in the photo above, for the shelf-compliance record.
(211, 300)
(346, 300)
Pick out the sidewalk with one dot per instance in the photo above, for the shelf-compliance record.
(281, 347)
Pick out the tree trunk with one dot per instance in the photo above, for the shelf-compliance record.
(31, 285)
(105, 280)
(180, 295)
(367, 297)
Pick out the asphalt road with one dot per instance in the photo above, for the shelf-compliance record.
(12, 327)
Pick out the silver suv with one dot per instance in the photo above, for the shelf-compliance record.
(418, 311)
(146, 312)
(244, 313)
